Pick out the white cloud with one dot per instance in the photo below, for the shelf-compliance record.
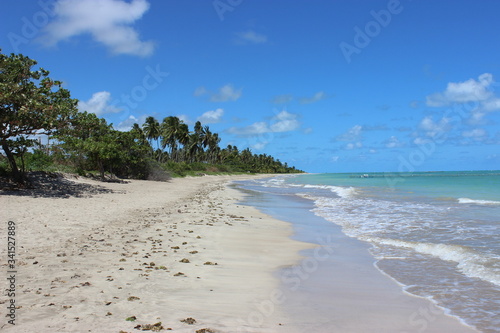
(127, 124)
(211, 117)
(259, 145)
(107, 21)
(282, 122)
(320, 95)
(98, 104)
(393, 142)
(491, 104)
(353, 134)
(226, 93)
(432, 128)
(250, 36)
(254, 129)
(420, 141)
(476, 134)
(185, 119)
(463, 92)
(353, 145)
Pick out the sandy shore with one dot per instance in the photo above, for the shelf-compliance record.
(159, 252)
(186, 254)
(336, 286)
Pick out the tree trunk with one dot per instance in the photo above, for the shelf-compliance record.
(16, 174)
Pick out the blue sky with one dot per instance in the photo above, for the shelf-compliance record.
(327, 86)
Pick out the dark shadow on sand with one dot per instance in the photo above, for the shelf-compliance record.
(50, 185)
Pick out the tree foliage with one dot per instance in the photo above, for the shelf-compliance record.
(30, 103)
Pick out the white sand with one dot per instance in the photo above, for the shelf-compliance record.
(80, 259)
(87, 264)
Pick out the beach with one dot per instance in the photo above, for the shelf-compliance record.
(188, 254)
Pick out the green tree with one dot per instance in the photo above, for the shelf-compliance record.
(30, 103)
(91, 142)
(170, 130)
(152, 130)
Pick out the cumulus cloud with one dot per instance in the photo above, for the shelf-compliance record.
(320, 95)
(475, 134)
(393, 142)
(127, 124)
(353, 134)
(108, 22)
(281, 122)
(353, 145)
(284, 122)
(433, 128)
(224, 94)
(463, 92)
(211, 117)
(253, 129)
(98, 104)
(491, 104)
(250, 37)
(185, 119)
(259, 145)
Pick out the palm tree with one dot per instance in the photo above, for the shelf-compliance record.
(183, 137)
(139, 135)
(195, 145)
(213, 146)
(151, 129)
(170, 129)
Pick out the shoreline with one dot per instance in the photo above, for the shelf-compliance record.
(341, 289)
(183, 253)
(191, 254)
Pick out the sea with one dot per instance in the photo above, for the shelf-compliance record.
(437, 234)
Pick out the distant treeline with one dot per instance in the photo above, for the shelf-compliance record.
(32, 104)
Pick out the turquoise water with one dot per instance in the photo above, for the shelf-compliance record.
(475, 185)
(436, 233)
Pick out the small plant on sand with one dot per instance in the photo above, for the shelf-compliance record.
(133, 318)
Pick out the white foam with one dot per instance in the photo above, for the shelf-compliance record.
(470, 262)
(343, 192)
(478, 202)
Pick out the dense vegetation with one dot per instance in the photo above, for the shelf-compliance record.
(32, 104)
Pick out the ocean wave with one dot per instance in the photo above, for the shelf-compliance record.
(343, 192)
(469, 261)
(478, 202)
